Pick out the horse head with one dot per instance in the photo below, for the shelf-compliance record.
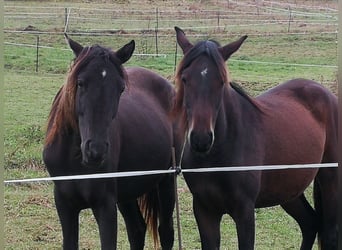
(201, 79)
(99, 80)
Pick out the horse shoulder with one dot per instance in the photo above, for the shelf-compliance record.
(57, 154)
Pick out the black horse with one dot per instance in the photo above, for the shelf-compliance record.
(107, 119)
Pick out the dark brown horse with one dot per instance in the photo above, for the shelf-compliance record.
(293, 123)
(107, 119)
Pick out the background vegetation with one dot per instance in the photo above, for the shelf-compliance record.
(286, 40)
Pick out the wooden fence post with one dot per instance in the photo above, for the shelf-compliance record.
(37, 55)
(290, 19)
(156, 30)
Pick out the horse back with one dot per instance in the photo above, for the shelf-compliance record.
(152, 84)
(317, 99)
(144, 111)
(143, 130)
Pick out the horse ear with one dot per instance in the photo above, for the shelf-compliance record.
(229, 49)
(182, 40)
(76, 47)
(125, 53)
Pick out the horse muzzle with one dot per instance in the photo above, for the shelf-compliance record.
(94, 153)
(201, 142)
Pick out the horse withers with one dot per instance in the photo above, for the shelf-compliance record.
(105, 119)
(293, 123)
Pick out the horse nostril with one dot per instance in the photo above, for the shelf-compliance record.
(211, 136)
(201, 142)
(97, 149)
(95, 152)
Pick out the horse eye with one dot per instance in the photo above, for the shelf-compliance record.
(123, 88)
(183, 80)
(80, 83)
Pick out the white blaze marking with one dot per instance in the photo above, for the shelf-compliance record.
(204, 72)
(212, 132)
(104, 73)
(191, 126)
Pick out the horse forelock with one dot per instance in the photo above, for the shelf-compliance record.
(209, 48)
(62, 116)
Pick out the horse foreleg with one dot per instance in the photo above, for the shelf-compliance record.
(68, 216)
(208, 223)
(244, 218)
(305, 216)
(135, 224)
(106, 216)
(166, 206)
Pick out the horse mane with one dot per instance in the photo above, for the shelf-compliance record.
(62, 117)
(209, 48)
(245, 95)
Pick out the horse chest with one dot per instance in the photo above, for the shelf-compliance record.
(206, 190)
(223, 189)
(85, 193)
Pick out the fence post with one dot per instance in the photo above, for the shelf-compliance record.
(37, 54)
(156, 30)
(257, 5)
(179, 231)
(290, 19)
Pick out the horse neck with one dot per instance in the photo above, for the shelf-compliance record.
(238, 116)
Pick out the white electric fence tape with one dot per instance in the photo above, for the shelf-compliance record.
(266, 167)
(178, 170)
(94, 176)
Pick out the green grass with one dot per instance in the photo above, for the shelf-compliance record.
(34, 224)
(30, 216)
(28, 100)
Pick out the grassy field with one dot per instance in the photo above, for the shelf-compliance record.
(32, 223)
(277, 50)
